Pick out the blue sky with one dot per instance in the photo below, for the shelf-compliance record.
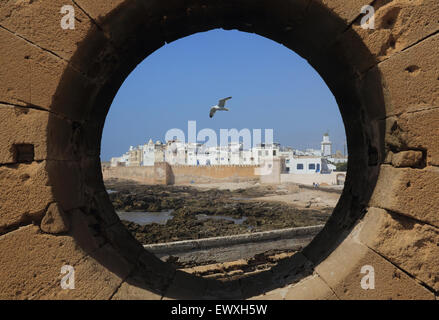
(272, 88)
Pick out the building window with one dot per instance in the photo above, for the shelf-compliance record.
(312, 166)
(300, 166)
(274, 152)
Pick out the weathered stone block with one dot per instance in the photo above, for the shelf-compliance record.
(55, 220)
(398, 25)
(410, 78)
(308, 34)
(32, 76)
(24, 193)
(407, 159)
(66, 181)
(40, 24)
(291, 270)
(15, 70)
(83, 230)
(126, 17)
(93, 281)
(411, 192)
(123, 241)
(30, 126)
(342, 272)
(148, 281)
(98, 10)
(416, 130)
(31, 263)
(346, 10)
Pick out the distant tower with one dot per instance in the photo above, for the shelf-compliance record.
(326, 146)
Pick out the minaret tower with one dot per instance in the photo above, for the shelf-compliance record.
(326, 146)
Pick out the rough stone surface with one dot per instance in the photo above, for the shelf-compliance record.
(99, 9)
(407, 159)
(47, 145)
(416, 130)
(399, 24)
(40, 24)
(92, 282)
(342, 272)
(411, 192)
(410, 245)
(32, 76)
(57, 86)
(411, 78)
(33, 269)
(55, 220)
(24, 193)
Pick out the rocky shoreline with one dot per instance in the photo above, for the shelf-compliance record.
(188, 202)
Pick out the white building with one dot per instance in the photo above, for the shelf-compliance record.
(120, 161)
(148, 154)
(303, 164)
(308, 165)
(152, 153)
(176, 152)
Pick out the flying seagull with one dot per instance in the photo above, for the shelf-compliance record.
(220, 107)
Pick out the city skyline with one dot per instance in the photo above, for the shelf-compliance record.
(183, 152)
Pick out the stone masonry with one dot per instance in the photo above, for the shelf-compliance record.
(56, 86)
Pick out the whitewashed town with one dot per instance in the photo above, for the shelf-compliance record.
(174, 152)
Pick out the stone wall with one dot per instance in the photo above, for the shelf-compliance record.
(163, 173)
(309, 179)
(208, 174)
(230, 248)
(57, 86)
(144, 175)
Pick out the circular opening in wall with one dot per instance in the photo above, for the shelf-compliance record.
(224, 154)
(134, 30)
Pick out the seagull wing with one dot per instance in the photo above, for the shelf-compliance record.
(222, 102)
(212, 111)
